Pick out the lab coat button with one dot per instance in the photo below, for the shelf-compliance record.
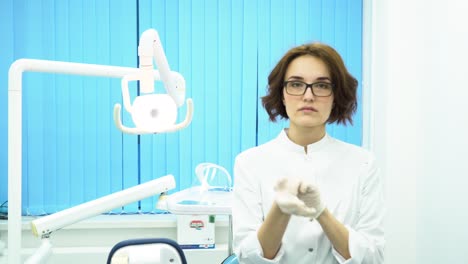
(311, 250)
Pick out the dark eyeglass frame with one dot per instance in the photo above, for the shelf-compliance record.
(308, 85)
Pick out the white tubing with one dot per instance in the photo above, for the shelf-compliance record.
(41, 254)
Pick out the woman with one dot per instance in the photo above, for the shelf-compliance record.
(305, 197)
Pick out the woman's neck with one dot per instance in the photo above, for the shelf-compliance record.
(306, 136)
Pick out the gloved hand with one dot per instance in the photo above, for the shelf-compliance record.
(287, 191)
(310, 195)
(298, 197)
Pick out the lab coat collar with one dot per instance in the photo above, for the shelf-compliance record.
(314, 147)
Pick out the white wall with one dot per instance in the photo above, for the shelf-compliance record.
(419, 80)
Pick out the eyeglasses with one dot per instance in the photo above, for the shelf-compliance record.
(321, 89)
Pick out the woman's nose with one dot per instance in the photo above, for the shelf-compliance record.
(308, 94)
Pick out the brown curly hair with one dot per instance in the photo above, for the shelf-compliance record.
(344, 90)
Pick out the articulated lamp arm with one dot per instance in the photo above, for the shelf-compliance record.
(151, 47)
(44, 226)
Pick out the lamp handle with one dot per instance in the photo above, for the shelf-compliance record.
(137, 131)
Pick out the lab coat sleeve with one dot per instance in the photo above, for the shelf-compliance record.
(248, 216)
(366, 239)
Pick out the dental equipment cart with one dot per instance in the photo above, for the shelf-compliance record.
(205, 199)
(194, 201)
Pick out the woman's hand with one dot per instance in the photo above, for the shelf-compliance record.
(297, 197)
(310, 195)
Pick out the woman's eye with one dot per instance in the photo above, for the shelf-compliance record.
(322, 85)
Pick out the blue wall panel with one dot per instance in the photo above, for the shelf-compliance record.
(6, 58)
(124, 40)
(248, 102)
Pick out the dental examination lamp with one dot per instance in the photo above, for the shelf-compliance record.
(153, 113)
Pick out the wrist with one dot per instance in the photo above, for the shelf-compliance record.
(322, 216)
(277, 211)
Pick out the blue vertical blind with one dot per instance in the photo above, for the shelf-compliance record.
(72, 151)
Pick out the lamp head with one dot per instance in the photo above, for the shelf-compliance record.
(154, 112)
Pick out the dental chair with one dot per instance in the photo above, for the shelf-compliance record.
(152, 251)
(146, 251)
(232, 259)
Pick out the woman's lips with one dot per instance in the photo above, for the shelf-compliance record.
(308, 109)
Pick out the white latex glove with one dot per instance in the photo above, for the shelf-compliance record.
(310, 195)
(287, 191)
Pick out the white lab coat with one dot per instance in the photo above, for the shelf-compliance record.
(350, 186)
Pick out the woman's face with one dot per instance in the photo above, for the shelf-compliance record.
(307, 111)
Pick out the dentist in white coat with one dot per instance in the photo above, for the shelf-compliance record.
(304, 196)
